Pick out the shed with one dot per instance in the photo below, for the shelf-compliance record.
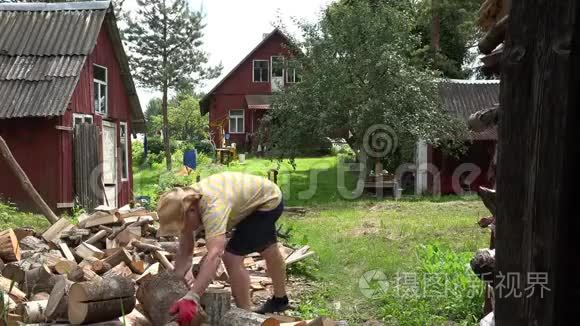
(69, 104)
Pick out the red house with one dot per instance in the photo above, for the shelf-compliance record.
(238, 102)
(63, 70)
(441, 173)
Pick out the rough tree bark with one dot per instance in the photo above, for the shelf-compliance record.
(537, 185)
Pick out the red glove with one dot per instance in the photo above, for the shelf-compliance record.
(186, 309)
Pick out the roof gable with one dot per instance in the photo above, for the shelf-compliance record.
(204, 103)
(43, 48)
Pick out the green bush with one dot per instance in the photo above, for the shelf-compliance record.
(137, 153)
(444, 290)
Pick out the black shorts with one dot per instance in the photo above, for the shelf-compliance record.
(255, 233)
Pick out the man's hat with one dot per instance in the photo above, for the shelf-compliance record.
(171, 210)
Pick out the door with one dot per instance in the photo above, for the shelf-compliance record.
(110, 163)
(277, 78)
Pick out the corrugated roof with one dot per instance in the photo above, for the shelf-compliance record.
(49, 32)
(34, 68)
(43, 48)
(462, 98)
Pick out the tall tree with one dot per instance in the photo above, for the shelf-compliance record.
(447, 30)
(358, 82)
(165, 39)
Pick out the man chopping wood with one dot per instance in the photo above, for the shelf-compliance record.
(247, 204)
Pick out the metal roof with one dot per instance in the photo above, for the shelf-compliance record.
(462, 98)
(43, 48)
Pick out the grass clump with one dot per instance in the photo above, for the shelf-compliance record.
(441, 290)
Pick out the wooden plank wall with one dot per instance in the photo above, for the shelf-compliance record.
(88, 187)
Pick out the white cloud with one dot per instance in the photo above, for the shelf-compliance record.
(235, 27)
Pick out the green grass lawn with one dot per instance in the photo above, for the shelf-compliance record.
(430, 236)
(405, 241)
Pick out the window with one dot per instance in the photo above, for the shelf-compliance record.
(124, 150)
(82, 118)
(100, 81)
(277, 66)
(236, 122)
(292, 76)
(293, 72)
(261, 71)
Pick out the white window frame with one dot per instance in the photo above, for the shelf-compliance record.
(123, 125)
(243, 116)
(291, 71)
(106, 84)
(272, 66)
(254, 70)
(84, 117)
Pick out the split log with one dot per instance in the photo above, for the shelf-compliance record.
(87, 262)
(97, 237)
(75, 232)
(152, 270)
(145, 246)
(33, 243)
(121, 270)
(38, 280)
(160, 257)
(8, 286)
(54, 232)
(140, 222)
(216, 303)
(14, 271)
(157, 293)
(40, 296)
(32, 311)
(67, 253)
(97, 219)
(100, 300)
(483, 264)
(24, 232)
(488, 197)
(100, 267)
(86, 250)
(299, 255)
(25, 182)
(105, 228)
(121, 255)
(494, 37)
(483, 120)
(170, 247)
(57, 305)
(80, 274)
(9, 247)
(239, 317)
(65, 266)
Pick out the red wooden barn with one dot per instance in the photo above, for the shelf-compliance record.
(238, 102)
(438, 172)
(62, 65)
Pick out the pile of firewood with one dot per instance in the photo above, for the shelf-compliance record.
(110, 269)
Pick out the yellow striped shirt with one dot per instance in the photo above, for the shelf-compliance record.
(229, 197)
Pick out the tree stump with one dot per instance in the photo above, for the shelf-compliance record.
(216, 303)
(100, 300)
(9, 247)
(157, 293)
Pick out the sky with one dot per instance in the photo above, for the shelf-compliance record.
(235, 27)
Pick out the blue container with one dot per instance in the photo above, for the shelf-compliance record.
(190, 159)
